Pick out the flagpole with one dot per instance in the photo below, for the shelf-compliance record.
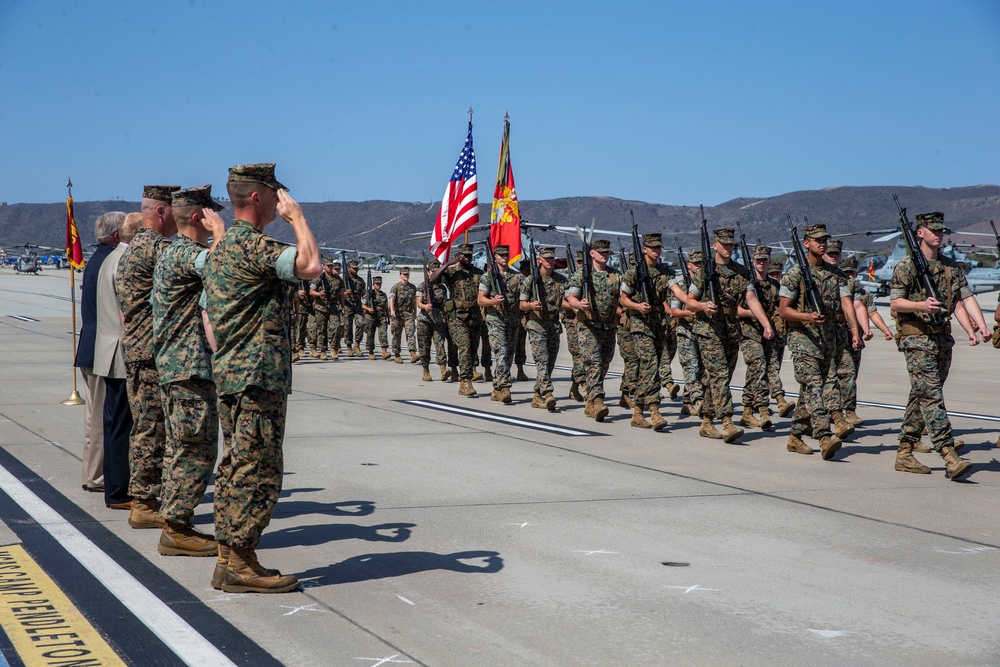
(74, 397)
(467, 231)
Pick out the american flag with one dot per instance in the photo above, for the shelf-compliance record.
(460, 205)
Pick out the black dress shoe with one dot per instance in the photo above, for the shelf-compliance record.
(94, 489)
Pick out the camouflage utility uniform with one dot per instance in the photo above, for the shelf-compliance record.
(404, 297)
(646, 333)
(596, 329)
(319, 331)
(502, 323)
(378, 321)
(687, 351)
(543, 327)
(759, 354)
(354, 316)
(464, 315)
(432, 325)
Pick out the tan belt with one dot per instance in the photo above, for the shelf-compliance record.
(921, 328)
(464, 305)
(543, 317)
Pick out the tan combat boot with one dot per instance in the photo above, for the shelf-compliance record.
(487, 374)
(397, 359)
(637, 419)
(505, 396)
(538, 402)
(828, 446)
(765, 419)
(295, 356)
(426, 377)
(245, 575)
(840, 427)
(221, 563)
(600, 411)
(698, 407)
(588, 408)
(748, 419)
(708, 429)
(465, 388)
(445, 373)
(322, 356)
(686, 409)
(852, 418)
(357, 350)
(371, 356)
(956, 466)
(673, 390)
(784, 407)
(414, 358)
(477, 376)
(796, 446)
(905, 462)
(334, 353)
(454, 374)
(350, 352)
(730, 431)
(550, 402)
(659, 422)
(574, 391)
(495, 395)
(145, 514)
(177, 540)
(386, 355)
(521, 376)
(625, 402)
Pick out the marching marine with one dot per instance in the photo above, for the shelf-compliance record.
(402, 307)
(502, 316)
(760, 354)
(354, 316)
(432, 325)
(541, 299)
(375, 304)
(464, 316)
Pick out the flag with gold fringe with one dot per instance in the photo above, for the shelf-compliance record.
(505, 218)
(74, 249)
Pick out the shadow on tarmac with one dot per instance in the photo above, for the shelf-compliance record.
(331, 532)
(382, 566)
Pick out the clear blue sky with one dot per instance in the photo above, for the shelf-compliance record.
(665, 102)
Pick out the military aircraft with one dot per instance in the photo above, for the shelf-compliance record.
(29, 262)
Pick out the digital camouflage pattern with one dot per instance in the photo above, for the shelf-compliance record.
(502, 324)
(405, 297)
(578, 373)
(382, 308)
(180, 344)
(596, 330)
(248, 306)
(249, 475)
(335, 320)
(647, 333)
(319, 332)
(432, 325)
(192, 436)
(464, 317)
(813, 348)
(543, 327)
(147, 438)
(353, 322)
(687, 351)
(134, 284)
(928, 355)
(759, 354)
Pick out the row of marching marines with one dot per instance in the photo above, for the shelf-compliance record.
(712, 310)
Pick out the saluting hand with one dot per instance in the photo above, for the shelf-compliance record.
(288, 208)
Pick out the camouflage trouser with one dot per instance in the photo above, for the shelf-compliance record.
(403, 322)
(148, 436)
(761, 359)
(485, 351)
(775, 352)
(843, 371)
(928, 368)
(543, 337)
(627, 349)
(851, 402)
(521, 355)
(192, 428)
(502, 328)
(597, 349)
(720, 348)
(463, 328)
(302, 329)
(334, 330)
(354, 328)
(649, 350)
(669, 352)
(815, 386)
(248, 479)
(319, 330)
(436, 330)
(572, 327)
(690, 358)
(383, 333)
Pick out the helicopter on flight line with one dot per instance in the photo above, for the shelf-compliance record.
(29, 261)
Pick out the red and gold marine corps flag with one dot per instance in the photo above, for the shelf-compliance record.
(505, 219)
(74, 249)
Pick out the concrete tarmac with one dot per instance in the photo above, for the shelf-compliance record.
(425, 535)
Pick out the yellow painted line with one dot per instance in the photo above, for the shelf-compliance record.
(41, 622)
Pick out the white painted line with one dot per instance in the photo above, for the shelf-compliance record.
(410, 602)
(828, 634)
(378, 662)
(595, 551)
(308, 607)
(493, 417)
(696, 587)
(964, 551)
(22, 318)
(179, 637)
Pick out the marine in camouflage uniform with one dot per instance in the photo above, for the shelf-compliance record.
(719, 331)
(306, 319)
(843, 368)
(376, 318)
(866, 312)
(184, 362)
(779, 342)
(543, 324)
(569, 322)
(245, 281)
(646, 330)
(319, 323)
(924, 337)
(402, 310)
(464, 316)
(334, 305)
(812, 341)
(353, 315)
(759, 353)
(596, 306)
(502, 316)
(432, 325)
(630, 362)
(521, 355)
(134, 284)
(687, 343)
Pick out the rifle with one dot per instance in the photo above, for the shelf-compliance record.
(306, 300)
(708, 264)
(812, 292)
(641, 270)
(499, 284)
(684, 268)
(622, 258)
(919, 261)
(570, 261)
(748, 262)
(587, 292)
(536, 275)
(372, 297)
(994, 228)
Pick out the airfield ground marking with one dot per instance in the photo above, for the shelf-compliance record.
(523, 524)
(595, 551)
(308, 607)
(377, 662)
(696, 587)
(161, 620)
(409, 602)
(22, 318)
(828, 634)
(489, 416)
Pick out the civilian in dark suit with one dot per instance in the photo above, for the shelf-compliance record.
(106, 231)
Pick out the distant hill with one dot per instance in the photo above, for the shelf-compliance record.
(379, 226)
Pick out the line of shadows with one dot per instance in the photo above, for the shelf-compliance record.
(382, 566)
(331, 532)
